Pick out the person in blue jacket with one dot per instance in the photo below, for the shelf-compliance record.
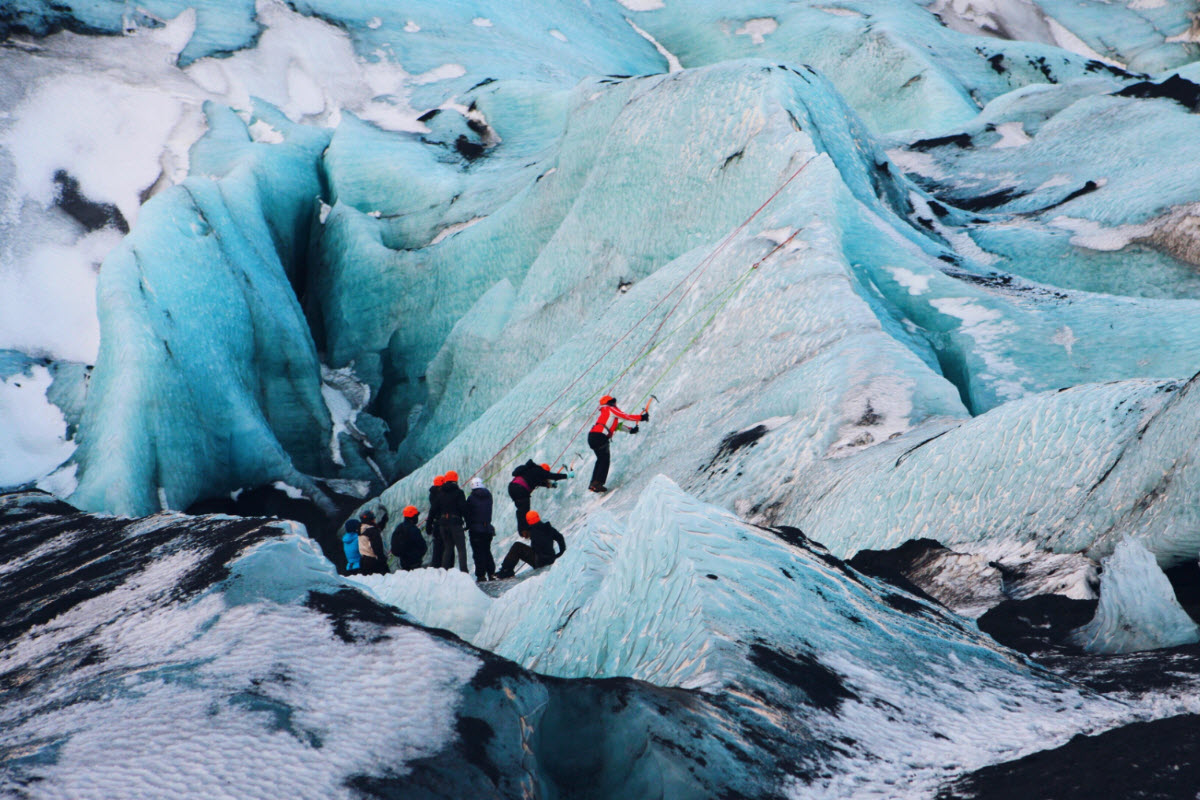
(350, 546)
(480, 530)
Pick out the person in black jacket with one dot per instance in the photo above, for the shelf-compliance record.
(433, 521)
(480, 530)
(452, 508)
(370, 546)
(526, 478)
(539, 552)
(408, 545)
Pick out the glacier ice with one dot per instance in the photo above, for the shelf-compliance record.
(890, 269)
(1138, 609)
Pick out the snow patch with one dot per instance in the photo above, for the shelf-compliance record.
(757, 29)
(1065, 337)
(33, 438)
(261, 131)
(642, 5)
(557, 34)
(411, 27)
(916, 284)
(1012, 134)
(289, 490)
(1069, 41)
(1094, 236)
(443, 73)
(481, 22)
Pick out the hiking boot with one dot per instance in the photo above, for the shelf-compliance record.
(598, 488)
(503, 575)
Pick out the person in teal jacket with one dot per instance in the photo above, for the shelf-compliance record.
(350, 545)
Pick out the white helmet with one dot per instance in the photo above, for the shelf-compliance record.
(476, 483)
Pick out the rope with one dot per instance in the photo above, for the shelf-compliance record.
(702, 267)
(728, 294)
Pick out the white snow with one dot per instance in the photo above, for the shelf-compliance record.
(481, 22)
(1069, 41)
(916, 284)
(1066, 337)
(673, 64)
(642, 5)
(1012, 134)
(557, 34)
(290, 491)
(33, 439)
(757, 29)
(1094, 236)
(262, 131)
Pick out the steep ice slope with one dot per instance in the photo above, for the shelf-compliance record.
(1144, 36)
(896, 63)
(208, 361)
(852, 329)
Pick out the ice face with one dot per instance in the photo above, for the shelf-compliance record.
(1138, 609)
(190, 342)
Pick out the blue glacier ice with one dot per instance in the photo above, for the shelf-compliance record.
(207, 326)
(1138, 609)
(910, 276)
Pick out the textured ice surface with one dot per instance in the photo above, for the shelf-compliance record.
(223, 658)
(682, 593)
(1073, 470)
(208, 350)
(1138, 609)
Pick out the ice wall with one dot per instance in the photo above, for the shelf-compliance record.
(1138, 609)
(208, 379)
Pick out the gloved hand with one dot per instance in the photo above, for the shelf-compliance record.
(645, 416)
(570, 473)
(634, 429)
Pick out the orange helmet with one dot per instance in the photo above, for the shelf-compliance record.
(451, 477)
(546, 467)
(438, 480)
(608, 398)
(410, 511)
(532, 517)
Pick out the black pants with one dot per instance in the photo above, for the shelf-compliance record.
(522, 552)
(481, 553)
(373, 566)
(599, 444)
(454, 537)
(435, 535)
(520, 498)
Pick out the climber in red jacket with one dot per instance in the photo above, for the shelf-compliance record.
(601, 433)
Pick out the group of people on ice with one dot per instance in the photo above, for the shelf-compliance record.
(454, 517)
